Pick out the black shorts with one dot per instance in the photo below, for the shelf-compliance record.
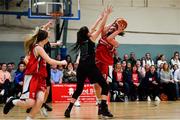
(48, 79)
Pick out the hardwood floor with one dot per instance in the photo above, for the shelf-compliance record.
(122, 111)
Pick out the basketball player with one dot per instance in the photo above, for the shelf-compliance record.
(105, 51)
(35, 75)
(87, 67)
(47, 48)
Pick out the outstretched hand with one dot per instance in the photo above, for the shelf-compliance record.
(108, 10)
(59, 43)
(48, 25)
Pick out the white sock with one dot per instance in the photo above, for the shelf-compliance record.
(15, 101)
(98, 101)
(28, 118)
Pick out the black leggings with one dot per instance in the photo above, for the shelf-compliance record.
(91, 72)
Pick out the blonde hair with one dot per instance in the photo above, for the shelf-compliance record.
(30, 40)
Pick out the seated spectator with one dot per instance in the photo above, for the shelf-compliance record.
(58, 57)
(161, 60)
(168, 83)
(56, 74)
(134, 86)
(10, 69)
(125, 57)
(118, 84)
(19, 77)
(123, 65)
(140, 68)
(116, 57)
(175, 59)
(69, 74)
(132, 59)
(173, 69)
(5, 79)
(153, 84)
(147, 60)
(68, 59)
(159, 69)
(127, 76)
(177, 81)
(147, 68)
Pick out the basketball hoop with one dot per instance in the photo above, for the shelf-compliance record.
(56, 15)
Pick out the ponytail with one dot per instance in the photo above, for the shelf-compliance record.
(32, 39)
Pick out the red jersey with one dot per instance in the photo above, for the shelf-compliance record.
(105, 52)
(135, 78)
(36, 65)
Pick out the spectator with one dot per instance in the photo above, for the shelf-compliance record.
(68, 59)
(134, 86)
(118, 83)
(116, 57)
(140, 68)
(58, 57)
(173, 69)
(125, 57)
(157, 58)
(175, 59)
(159, 69)
(161, 60)
(56, 75)
(5, 79)
(147, 68)
(13, 65)
(123, 65)
(148, 60)
(168, 83)
(69, 74)
(177, 80)
(10, 69)
(22, 58)
(127, 75)
(132, 59)
(153, 84)
(19, 77)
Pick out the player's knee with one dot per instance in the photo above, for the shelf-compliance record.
(31, 102)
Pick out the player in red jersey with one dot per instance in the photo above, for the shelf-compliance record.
(106, 49)
(34, 85)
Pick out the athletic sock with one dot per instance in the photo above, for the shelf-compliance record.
(70, 106)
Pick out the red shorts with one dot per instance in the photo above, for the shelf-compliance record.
(32, 84)
(104, 68)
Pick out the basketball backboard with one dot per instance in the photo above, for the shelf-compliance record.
(42, 9)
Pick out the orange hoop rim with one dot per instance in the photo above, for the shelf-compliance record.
(56, 14)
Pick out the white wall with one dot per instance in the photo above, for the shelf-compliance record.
(162, 16)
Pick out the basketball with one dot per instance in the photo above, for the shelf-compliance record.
(121, 23)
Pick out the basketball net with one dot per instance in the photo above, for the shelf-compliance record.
(56, 15)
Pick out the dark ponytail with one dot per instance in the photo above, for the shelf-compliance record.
(82, 35)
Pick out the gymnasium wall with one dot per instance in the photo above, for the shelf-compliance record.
(154, 29)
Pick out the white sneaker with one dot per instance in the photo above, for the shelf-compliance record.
(43, 112)
(28, 118)
(97, 102)
(126, 98)
(157, 98)
(137, 99)
(2, 92)
(77, 103)
(148, 99)
(114, 96)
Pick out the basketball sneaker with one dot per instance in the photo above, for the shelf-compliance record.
(9, 105)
